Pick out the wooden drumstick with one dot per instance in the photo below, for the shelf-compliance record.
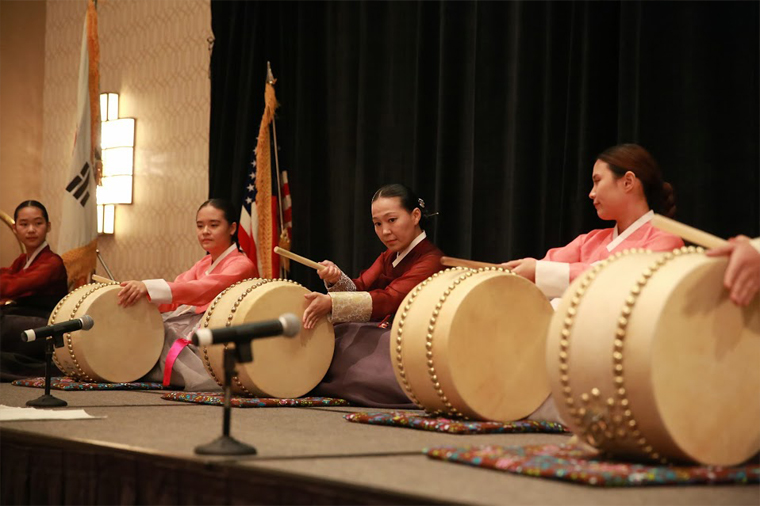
(101, 279)
(461, 262)
(298, 258)
(686, 232)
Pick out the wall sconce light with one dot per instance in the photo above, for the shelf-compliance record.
(117, 143)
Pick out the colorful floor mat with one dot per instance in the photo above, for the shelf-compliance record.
(584, 465)
(421, 421)
(217, 399)
(71, 384)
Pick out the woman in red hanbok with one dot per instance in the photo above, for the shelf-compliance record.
(29, 289)
(183, 301)
(361, 370)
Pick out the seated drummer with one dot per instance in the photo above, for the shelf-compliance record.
(742, 278)
(361, 370)
(628, 188)
(183, 301)
(29, 290)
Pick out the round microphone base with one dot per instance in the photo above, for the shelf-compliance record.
(47, 401)
(225, 445)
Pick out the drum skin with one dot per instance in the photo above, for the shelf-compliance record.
(472, 343)
(649, 359)
(283, 367)
(123, 345)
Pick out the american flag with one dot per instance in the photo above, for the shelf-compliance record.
(248, 234)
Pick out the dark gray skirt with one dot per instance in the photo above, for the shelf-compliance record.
(361, 369)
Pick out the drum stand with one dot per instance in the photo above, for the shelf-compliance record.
(226, 444)
(47, 400)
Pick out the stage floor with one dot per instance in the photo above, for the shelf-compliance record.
(313, 450)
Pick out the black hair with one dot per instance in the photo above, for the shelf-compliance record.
(632, 157)
(31, 203)
(409, 200)
(225, 206)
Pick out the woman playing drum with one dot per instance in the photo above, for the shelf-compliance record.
(29, 289)
(628, 188)
(183, 301)
(361, 369)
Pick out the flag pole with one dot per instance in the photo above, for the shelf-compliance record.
(271, 80)
(284, 241)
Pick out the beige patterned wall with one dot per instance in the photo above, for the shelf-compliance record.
(155, 55)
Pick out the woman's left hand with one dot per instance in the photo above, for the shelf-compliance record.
(131, 292)
(319, 305)
(525, 267)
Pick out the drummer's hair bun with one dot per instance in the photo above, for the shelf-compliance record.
(668, 205)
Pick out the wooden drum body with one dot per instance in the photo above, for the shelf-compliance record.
(122, 346)
(282, 367)
(472, 343)
(649, 358)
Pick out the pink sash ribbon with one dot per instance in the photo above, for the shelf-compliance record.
(174, 352)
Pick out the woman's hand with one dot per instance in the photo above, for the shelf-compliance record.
(331, 273)
(319, 306)
(131, 292)
(742, 278)
(525, 267)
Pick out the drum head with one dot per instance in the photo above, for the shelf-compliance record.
(496, 346)
(706, 369)
(285, 367)
(124, 343)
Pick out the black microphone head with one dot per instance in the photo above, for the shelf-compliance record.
(87, 322)
(291, 324)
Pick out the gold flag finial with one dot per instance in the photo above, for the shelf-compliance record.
(270, 77)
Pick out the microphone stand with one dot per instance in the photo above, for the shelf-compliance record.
(47, 400)
(226, 444)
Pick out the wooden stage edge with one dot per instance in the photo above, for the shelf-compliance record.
(58, 465)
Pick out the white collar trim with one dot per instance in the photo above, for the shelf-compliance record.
(31, 257)
(618, 238)
(229, 250)
(400, 256)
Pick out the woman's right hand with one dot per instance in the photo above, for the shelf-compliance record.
(331, 273)
(131, 292)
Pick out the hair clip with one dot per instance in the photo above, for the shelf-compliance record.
(421, 203)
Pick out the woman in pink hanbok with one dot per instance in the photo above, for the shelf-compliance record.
(628, 188)
(183, 301)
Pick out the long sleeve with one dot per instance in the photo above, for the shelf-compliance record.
(369, 277)
(561, 266)
(45, 276)
(196, 289)
(381, 288)
(387, 300)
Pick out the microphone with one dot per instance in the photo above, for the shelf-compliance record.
(287, 325)
(84, 323)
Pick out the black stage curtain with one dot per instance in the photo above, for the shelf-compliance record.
(493, 111)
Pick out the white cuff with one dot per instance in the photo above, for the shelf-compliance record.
(756, 243)
(158, 290)
(552, 278)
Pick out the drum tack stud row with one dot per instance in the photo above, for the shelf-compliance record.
(230, 317)
(602, 421)
(451, 410)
